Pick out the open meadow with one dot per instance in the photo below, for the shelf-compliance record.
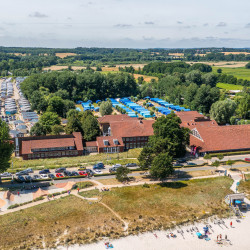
(240, 73)
(228, 86)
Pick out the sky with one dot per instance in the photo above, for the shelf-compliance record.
(125, 23)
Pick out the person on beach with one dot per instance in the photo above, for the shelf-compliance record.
(220, 237)
(156, 236)
(18, 193)
(225, 237)
(217, 237)
(231, 224)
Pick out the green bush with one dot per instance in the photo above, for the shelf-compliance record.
(38, 199)
(14, 206)
(145, 185)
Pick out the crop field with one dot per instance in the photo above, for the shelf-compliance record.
(224, 64)
(63, 55)
(228, 86)
(240, 73)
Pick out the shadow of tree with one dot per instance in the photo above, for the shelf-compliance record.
(175, 185)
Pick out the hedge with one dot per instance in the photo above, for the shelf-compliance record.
(231, 153)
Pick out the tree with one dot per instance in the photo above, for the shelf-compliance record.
(209, 79)
(56, 104)
(122, 174)
(216, 164)
(230, 163)
(90, 127)
(106, 108)
(194, 76)
(219, 71)
(6, 147)
(162, 166)
(74, 121)
(168, 137)
(38, 129)
(49, 119)
(221, 111)
(243, 109)
(151, 113)
(247, 65)
(220, 156)
(57, 129)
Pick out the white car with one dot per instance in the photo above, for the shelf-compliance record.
(29, 170)
(97, 171)
(6, 174)
(44, 176)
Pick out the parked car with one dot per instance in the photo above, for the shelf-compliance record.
(28, 178)
(44, 176)
(6, 174)
(20, 178)
(44, 171)
(247, 159)
(191, 164)
(178, 164)
(130, 165)
(36, 177)
(29, 170)
(74, 173)
(114, 168)
(67, 173)
(181, 161)
(59, 175)
(22, 173)
(81, 168)
(99, 165)
(97, 171)
(83, 173)
(51, 176)
(60, 170)
(90, 172)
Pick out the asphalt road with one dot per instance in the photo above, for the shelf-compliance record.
(130, 175)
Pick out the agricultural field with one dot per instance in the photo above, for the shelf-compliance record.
(63, 55)
(224, 64)
(240, 73)
(228, 86)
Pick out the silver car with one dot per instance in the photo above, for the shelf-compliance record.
(6, 174)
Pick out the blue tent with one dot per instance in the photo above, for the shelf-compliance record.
(78, 109)
(98, 101)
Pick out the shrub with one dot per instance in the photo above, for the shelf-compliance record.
(13, 206)
(145, 185)
(39, 198)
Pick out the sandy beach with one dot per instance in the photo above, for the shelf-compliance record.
(238, 238)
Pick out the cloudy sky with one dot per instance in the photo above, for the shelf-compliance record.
(125, 23)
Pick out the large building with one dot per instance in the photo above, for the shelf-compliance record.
(52, 146)
(208, 137)
(121, 132)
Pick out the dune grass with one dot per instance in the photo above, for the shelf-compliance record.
(161, 206)
(67, 220)
(244, 186)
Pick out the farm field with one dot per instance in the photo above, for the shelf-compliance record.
(58, 67)
(63, 55)
(228, 86)
(223, 64)
(240, 73)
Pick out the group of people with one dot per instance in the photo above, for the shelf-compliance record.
(104, 189)
(108, 245)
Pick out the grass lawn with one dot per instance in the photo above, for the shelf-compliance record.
(240, 73)
(161, 206)
(245, 186)
(228, 86)
(68, 220)
(18, 163)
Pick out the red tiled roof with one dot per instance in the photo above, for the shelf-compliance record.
(132, 128)
(76, 141)
(110, 139)
(114, 118)
(187, 116)
(222, 138)
(91, 143)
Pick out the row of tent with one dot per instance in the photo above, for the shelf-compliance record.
(7, 89)
(88, 106)
(10, 106)
(115, 103)
(136, 107)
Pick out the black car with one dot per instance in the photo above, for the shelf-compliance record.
(44, 171)
(74, 173)
(28, 178)
(20, 178)
(51, 176)
(67, 173)
(60, 170)
(181, 161)
(89, 171)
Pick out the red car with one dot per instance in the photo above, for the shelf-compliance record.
(247, 159)
(58, 175)
(83, 173)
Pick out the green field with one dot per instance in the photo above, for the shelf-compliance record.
(228, 86)
(240, 73)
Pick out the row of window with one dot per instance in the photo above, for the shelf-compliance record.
(142, 138)
(111, 150)
(135, 145)
(52, 149)
(52, 154)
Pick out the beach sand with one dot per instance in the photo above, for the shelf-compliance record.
(238, 235)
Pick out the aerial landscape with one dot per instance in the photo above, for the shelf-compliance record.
(124, 125)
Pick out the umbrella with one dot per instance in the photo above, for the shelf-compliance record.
(198, 234)
(237, 202)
